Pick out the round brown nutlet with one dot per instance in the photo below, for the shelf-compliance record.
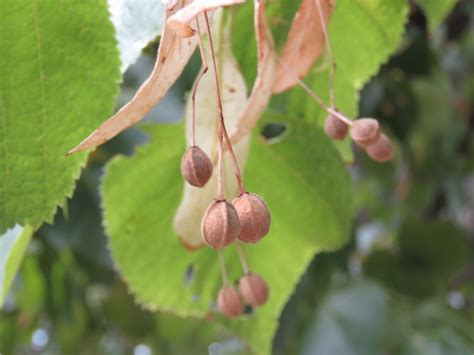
(335, 128)
(220, 226)
(196, 167)
(254, 217)
(381, 150)
(254, 289)
(365, 131)
(229, 302)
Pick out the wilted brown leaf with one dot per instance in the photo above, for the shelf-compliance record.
(173, 55)
(266, 71)
(305, 43)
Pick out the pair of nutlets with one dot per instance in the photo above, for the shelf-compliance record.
(247, 219)
(365, 132)
(253, 290)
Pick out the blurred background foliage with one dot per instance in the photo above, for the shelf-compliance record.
(403, 285)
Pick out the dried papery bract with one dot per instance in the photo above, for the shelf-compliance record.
(365, 131)
(254, 289)
(335, 128)
(254, 217)
(196, 167)
(229, 302)
(381, 150)
(220, 226)
(173, 55)
(185, 32)
(266, 72)
(305, 42)
(179, 22)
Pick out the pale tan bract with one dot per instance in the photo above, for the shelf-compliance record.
(304, 45)
(179, 22)
(173, 55)
(187, 220)
(266, 71)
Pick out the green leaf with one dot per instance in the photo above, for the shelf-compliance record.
(351, 320)
(427, 257)
(137, 23)
(12, 248)
(436, 11)
(59, 70)
(308, 192)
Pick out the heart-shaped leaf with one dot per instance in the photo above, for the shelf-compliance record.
(311, 211)
(12, 248)
(59, 71)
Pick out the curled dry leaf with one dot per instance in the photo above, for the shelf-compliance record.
(305, 43)
(179, 22)
(173, 55)
(266, 70)
(187, 220)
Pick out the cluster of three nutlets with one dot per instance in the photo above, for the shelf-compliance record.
(365, 132)
(246, 219)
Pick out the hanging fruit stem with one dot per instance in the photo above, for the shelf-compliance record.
(221, 129)
(327, 42)
(313, 95)
(225, 277)
(203, 70)
(243, 258)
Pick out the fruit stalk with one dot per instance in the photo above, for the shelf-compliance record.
(225, 277)
(328, 46)
(221, 129)
(203, 70)
(313, 95)
(243, 258)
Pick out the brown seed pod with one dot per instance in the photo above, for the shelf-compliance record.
(253, 289)
(365, 131)
(381, 150)
(335, 128)
(196, 167)
(254, 217)
(229, 302)
(220, 226)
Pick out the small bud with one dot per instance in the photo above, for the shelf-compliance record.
(381, 150)
(254, 289)
(254, 217)
(196, 167)
(220, 226)
(229, 302)
(365, 131)
(335, 128)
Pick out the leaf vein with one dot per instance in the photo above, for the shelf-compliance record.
(44, 117)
